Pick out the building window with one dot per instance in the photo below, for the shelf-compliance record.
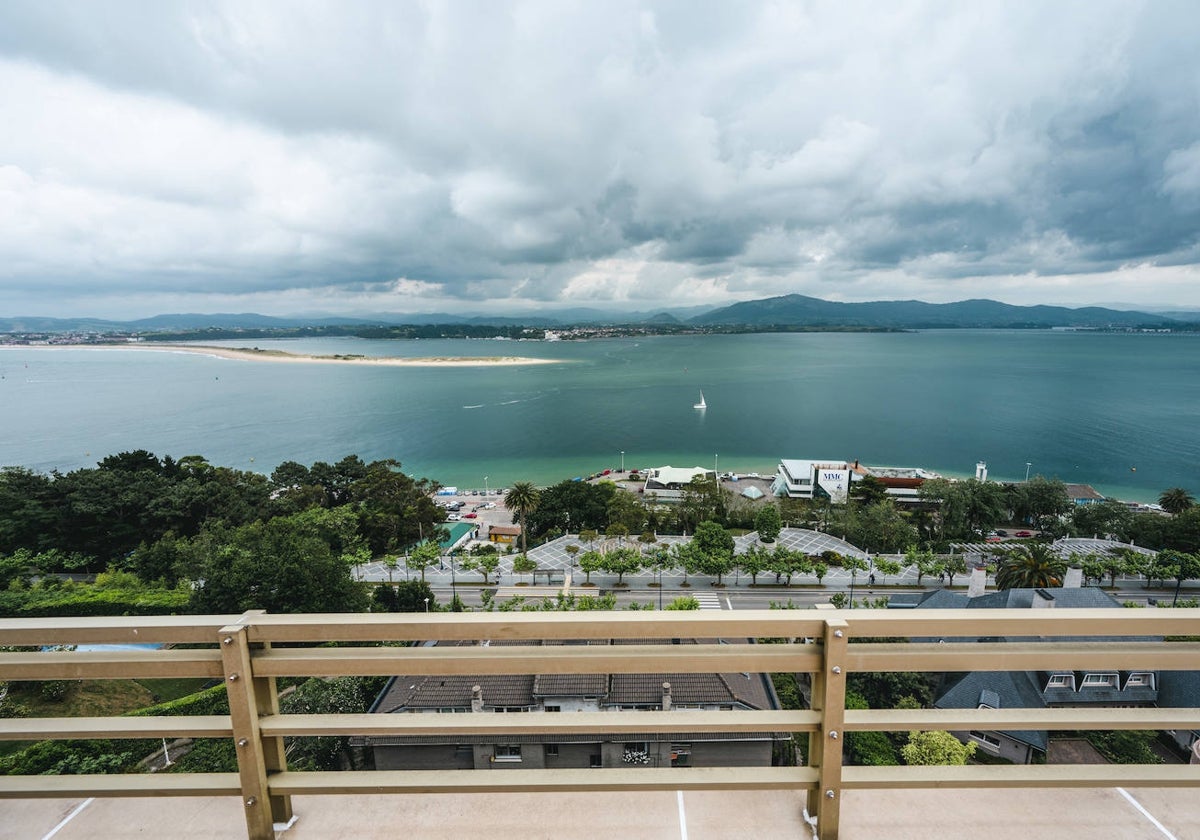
(507, 752)
(637, 752)
(1099, 680)
(554, 708)
(1061, 681)
(989, 742)
(1140, 679)
(551, 750)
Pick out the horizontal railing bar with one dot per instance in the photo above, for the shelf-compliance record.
(479, 781)
(1024, 656)
(119, 784)
(534, 626)
(110, 664)
(1022, 775)
(898, 720)
(114, 630)
(1099, 621)
(573, 723)
(175, 726)
(553, 659)
(565, 625)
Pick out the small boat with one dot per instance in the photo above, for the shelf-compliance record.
(702, 404)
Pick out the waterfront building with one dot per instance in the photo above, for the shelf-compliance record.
(667, 483)
(1083, 494)
(807, 479)
(832, 479)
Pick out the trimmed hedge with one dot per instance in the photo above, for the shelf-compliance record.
(90, 601)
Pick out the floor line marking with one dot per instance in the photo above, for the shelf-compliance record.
(682, 816)
(1146, 813)
(78, 809)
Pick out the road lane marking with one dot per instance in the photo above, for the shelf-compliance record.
(78, 809)
(682, 816)
(1146, 814)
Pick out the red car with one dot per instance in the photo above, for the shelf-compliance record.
(1024, 534)
(470, 516)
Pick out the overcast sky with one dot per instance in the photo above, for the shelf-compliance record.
(359, 157)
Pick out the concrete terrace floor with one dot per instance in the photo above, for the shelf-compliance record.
(1098, 814)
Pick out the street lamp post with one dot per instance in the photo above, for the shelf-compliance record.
(426, 605)
(485, 487)
(716, 469)
(622, 460)
(1028, 464)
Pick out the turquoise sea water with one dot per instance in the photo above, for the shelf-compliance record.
(1116, 411)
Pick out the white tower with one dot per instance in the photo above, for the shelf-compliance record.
(981, 471)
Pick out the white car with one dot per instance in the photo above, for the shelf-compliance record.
(454, 517)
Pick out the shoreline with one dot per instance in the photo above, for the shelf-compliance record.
(253, 354)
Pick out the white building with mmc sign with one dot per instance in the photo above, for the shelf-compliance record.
(813, 479)
(832, 479)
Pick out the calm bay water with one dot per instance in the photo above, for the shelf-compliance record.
(1115, 411)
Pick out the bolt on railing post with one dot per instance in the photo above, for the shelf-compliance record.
(829, 690)
(250, 698)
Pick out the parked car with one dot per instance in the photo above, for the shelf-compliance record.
(1000, 533)
(488, 505)
(470, 515)
(1024, 534)
(454, 517)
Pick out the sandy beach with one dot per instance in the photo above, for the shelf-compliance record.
(253, 354)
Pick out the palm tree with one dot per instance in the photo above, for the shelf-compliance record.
(523, 499)
(1176, 500)
(1030, 567)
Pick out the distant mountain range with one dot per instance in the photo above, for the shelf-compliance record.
(802, 311)
(788, 311)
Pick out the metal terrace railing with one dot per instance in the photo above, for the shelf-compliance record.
(249, 652)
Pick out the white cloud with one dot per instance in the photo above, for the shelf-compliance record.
(525, 153)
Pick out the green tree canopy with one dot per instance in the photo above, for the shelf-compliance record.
(1030, 566)
(1176, 500)
(935, 747)
(574, 506)
(621, 562)
(522, 499)
(966, 509)
(768, 523)
(284, 565)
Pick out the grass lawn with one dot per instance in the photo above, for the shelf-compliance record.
(105, 698)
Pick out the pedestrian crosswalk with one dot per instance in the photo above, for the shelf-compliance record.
(708, 600)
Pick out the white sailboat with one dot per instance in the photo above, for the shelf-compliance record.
(702, 404)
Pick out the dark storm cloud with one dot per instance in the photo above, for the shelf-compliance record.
(369, 155)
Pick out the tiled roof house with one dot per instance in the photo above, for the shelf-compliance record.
(566, 693)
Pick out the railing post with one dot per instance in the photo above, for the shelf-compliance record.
(825, 746)
(250, 698)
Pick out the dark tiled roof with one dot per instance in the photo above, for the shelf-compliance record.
(1179, 689)
(585, 738)
(570, 685)
(1069, 598)
(1002, 690)
(419, 693)
(426, 692)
